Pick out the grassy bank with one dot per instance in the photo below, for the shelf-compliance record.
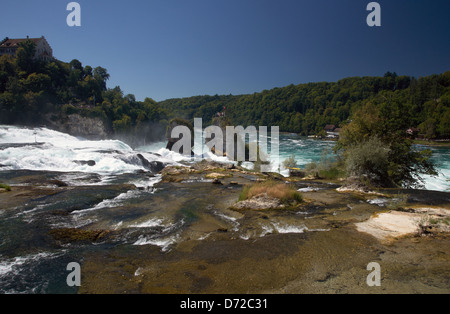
(5, 186)
(282, 191)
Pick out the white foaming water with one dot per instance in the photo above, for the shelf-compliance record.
(439, 183)
(55, 151)
(13, 265)
(286, 228)
(163, 243)
(109, 203)
(154, 222)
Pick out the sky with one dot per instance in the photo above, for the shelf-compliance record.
(166, 49)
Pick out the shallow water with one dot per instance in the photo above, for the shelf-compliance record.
(182, 223)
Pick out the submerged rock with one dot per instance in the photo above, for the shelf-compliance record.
(90, 163)
(217, 181)
(58, 183)
(69, 235)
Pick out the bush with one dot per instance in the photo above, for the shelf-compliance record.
(330, 167)
(5, 186)
(290, 162)
(368, 160)
(331, 173)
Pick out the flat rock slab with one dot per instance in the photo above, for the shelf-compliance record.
(390, 225)
(385, 226)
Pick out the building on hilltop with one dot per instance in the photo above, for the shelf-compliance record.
(9, 46)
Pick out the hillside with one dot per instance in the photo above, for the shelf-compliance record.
(307, 108)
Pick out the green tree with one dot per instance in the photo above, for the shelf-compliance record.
(428, 128)
(123, 124)
(37, 82)
(101, 76)
(444, 125)
(372, 127)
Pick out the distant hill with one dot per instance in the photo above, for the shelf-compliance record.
(308, 108)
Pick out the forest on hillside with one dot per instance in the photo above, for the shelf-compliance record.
(307, 108)
(31, 90)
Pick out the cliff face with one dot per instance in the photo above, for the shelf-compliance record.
(76, 125)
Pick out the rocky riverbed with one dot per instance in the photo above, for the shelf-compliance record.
(184, 234)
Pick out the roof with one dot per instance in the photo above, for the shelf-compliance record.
(14, 42)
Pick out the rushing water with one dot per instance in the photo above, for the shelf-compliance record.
(100, 173)
(308, 150)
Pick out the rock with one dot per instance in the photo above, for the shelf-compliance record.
(148, 188)
(389, 225)
(421, 221)
(260, 202)
(217, 181)
(90, 163)
(297, 173)
(75, 124)
(216, 175)
(153, 166)
(58, 183)
(69, 235)
(176, 170)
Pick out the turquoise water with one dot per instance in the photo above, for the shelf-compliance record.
(305, 150)
(308, 150)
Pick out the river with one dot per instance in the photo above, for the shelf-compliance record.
(60, 182)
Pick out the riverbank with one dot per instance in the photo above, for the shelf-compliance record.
(316, 248)
(433, 143)
(185, 237)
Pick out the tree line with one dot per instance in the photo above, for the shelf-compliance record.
(307, 108)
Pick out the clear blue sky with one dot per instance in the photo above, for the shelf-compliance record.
(177, 48)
